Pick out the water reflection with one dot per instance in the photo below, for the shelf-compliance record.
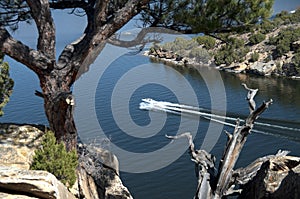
(281, 90)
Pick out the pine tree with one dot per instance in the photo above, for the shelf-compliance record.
(6, 84)
(54, 158)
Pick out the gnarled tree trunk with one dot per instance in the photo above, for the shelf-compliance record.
(56, 76)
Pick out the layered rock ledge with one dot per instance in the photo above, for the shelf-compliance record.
(97, 173)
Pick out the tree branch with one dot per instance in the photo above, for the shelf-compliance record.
(33, 59)
(41, 14)
(86, 49)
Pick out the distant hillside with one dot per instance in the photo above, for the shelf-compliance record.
(272, 47)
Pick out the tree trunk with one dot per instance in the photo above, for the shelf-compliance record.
(59, 106)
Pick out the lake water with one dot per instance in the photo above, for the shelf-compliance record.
(107, 108)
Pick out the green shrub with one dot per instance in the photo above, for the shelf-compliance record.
(284, 40)
(257, 38)
(199, 54)
(254, 57)
(235, 43)
(180, 44)
(267, 26)
(282, 48)
(54, 158)
(233, 51)
(6, 84)
(207, 41)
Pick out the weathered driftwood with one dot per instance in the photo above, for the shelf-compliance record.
(227, 181)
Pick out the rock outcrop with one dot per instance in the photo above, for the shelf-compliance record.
(32, 183)
(279, 177)
(98, 171)
(100, 168)
(261, 68)
(17, 143)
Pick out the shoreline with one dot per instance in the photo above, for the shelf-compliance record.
(239, 68)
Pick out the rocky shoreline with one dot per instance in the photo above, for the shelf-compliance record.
(257, 68)
(271, 48)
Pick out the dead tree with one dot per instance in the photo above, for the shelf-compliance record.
(224, 183)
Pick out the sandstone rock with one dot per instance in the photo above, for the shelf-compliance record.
(17, 144)
(15, 196)
(41, 184)
(98, 174)
(277, 178)
(262, 68)
(99, 168)
(88, 188)
(242, 67)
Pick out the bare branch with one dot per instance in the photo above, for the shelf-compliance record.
(41, 14)
(236, 143)
(250, 97)
(33, 59)
(141, 37)
(244, 175)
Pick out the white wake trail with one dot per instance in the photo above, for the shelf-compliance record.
(150, 104)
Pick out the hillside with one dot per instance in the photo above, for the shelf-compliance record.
(271, 47)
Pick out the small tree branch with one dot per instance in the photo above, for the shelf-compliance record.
(204, 164)
(41, 14)
(250, 97)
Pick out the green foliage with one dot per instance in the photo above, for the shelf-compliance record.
(257, 38)
(6, 84)
(284, 40)
(227, 55)
(54, 158)
(180, 46)
(285, 17)
(254, 57)
(206, 16)
(267, 26)
(233, 51)
(199, 54)
(235, 43)
(207, 41)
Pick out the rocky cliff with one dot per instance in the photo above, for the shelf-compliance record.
(18, 143)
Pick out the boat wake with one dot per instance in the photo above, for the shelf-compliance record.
(181, 109)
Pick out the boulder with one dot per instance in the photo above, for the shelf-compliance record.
(278, 177)
(100, 168)
(261, 68)
(242, 67)
(41, 184)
